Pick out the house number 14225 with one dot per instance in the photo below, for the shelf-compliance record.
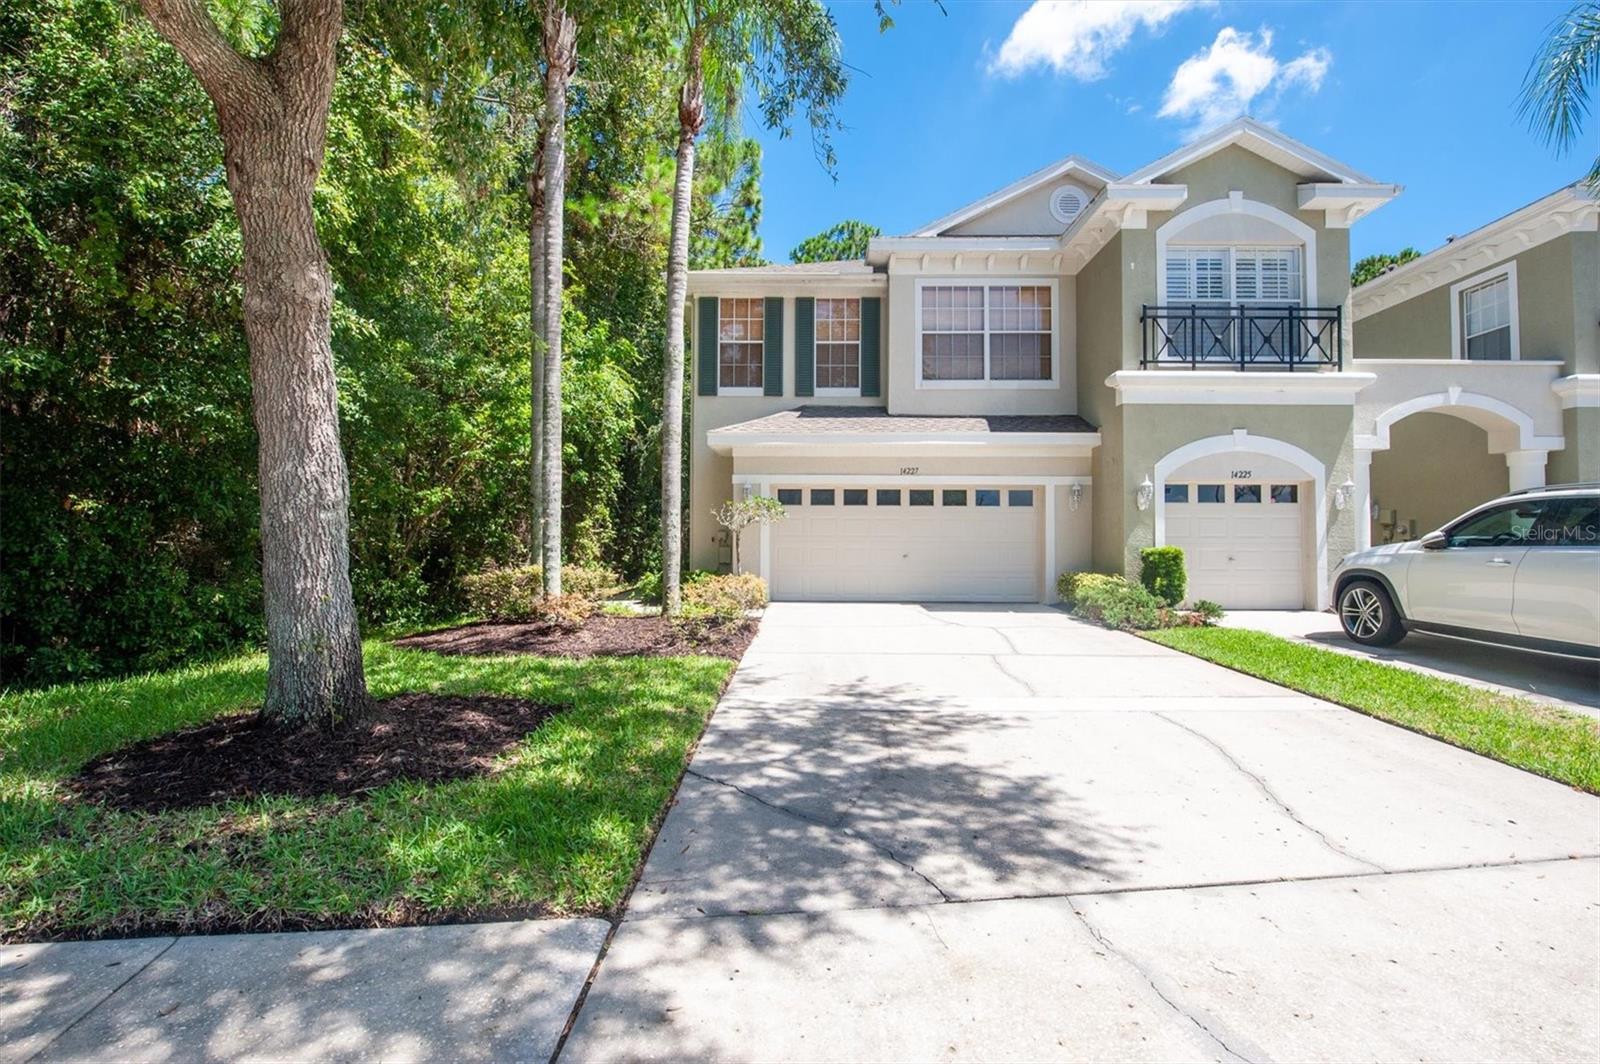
(1243, 474)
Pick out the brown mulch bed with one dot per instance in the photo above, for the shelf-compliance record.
(601, 636)
(427, 738)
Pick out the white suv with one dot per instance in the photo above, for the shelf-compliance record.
(1523, 570)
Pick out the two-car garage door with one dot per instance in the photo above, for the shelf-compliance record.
(907, 544)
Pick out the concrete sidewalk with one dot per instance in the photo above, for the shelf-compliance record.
(949, 832)
(500, 991)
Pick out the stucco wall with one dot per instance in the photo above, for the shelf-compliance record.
(1558, 309)
(1437, 466)
(1025, 215)
(1102, 324)
(1579, 461)
(710, 474)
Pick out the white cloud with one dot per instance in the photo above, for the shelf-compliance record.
(1078, 37)
(1222, 82)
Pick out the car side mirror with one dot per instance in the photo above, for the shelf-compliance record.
(1435, 541)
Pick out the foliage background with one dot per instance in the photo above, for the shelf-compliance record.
(128, 509)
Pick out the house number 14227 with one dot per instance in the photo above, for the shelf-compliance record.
(909, 470)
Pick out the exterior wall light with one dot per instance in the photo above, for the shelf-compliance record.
(1343, 493)
(1075, 497)
(1147, 491)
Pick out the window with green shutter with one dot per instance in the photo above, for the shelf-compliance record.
(772, 382)
(705, 370)
(805, 316)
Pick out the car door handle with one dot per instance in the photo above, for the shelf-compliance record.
(1497, 561)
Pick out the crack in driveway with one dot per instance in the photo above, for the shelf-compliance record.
(804, 818)
(1271, 795)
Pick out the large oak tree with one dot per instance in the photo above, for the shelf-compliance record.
(272, 112)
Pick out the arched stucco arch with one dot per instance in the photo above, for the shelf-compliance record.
(1509, 428)
(1242, 441)
(1237, 204)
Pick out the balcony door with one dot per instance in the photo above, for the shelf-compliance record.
(1242, 300)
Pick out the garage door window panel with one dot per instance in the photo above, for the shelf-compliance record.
(953, 497)
(1020, 497)
(741, 331)
(921, 497)
(1285, 493)
(789, 496)
(1176, 493)
(1247, 493)
(1210, 493)
(821, 496)
(888, 496)
(855, 496)
(986, 497)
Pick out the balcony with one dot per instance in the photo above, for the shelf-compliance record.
(1242, 337)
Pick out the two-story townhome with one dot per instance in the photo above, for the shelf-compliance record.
(1077, 366)
(1487, 356)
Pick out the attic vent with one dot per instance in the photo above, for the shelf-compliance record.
(1066, 203)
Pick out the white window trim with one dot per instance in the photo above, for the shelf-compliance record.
(837, 393)
(986, 384)
(742, 390)
(1458, 351)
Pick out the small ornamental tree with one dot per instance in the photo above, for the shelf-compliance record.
(739, 514)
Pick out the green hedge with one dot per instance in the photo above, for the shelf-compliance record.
(1162, 573)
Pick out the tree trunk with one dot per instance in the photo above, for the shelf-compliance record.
(691, 116)
(272, 114)
(536, 282)
(560, 47)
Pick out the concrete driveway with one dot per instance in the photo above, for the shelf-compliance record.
(956, 832)
(1568, 683)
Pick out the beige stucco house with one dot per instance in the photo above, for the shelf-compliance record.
(1085, 363)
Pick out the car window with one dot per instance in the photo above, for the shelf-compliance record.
(1568, 523)
(1499, 526)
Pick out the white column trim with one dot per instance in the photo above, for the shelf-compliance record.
(1049, 544)
(764, 560)
(1526, 469)
(1363, 500)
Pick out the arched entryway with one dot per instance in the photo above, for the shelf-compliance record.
(1248, 512)
(1434, 457)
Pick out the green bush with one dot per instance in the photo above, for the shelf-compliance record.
(1067, 587)
(1116, 603)
(514, 593)
(1162, 574)
(564, 611)
(1209, 612)
(648, 586)
(723, 598)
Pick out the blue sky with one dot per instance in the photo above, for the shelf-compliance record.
(943, 109)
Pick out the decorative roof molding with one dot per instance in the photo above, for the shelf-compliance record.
(880, 248)
(1342, 203)
(1060, 168)
(1266, 142)
(1579, 390)
(1567, 210)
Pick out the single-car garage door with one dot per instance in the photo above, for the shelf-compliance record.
(1243, 543)
(900, 544)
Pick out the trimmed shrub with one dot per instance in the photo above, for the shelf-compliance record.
(1209, 612)
(1116, 603)
(1162, 574)
(590, 581)
(723, 598)
(504, 594)
(1067, 587)
(648, 587)
(564, 611)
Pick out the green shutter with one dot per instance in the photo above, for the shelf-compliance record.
(706, 347)
(805, 345)
(871, 325)
(772, 344)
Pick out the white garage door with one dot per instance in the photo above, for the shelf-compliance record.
(1243, 543)
(955, 544)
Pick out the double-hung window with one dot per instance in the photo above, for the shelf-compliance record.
(741, 328)
(987, 332)
(1486, 321)
(838, 338)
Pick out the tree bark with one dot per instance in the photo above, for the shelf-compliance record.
(537, 269)
(273, 114)
(691, 117)
(561, 54)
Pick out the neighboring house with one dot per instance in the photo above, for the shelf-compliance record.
(1493, 343)
(1075, 367)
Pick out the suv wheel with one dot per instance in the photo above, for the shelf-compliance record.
(1367, 614)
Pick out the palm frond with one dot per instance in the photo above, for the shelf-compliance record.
(1555, 92)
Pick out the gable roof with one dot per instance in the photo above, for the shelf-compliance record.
(1293, 155)
(1562, 211)
(1044, 175)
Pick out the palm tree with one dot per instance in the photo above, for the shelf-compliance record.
(1555, 93)
(789, 51)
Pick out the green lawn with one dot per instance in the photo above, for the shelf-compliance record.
(559, 830)
(1563, 746)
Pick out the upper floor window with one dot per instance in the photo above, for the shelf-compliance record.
(1234, 275)
(838, 338)
(1486, 320)
(741, 326)
(997, 332)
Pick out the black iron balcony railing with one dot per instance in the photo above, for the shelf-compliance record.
(1202, 336)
